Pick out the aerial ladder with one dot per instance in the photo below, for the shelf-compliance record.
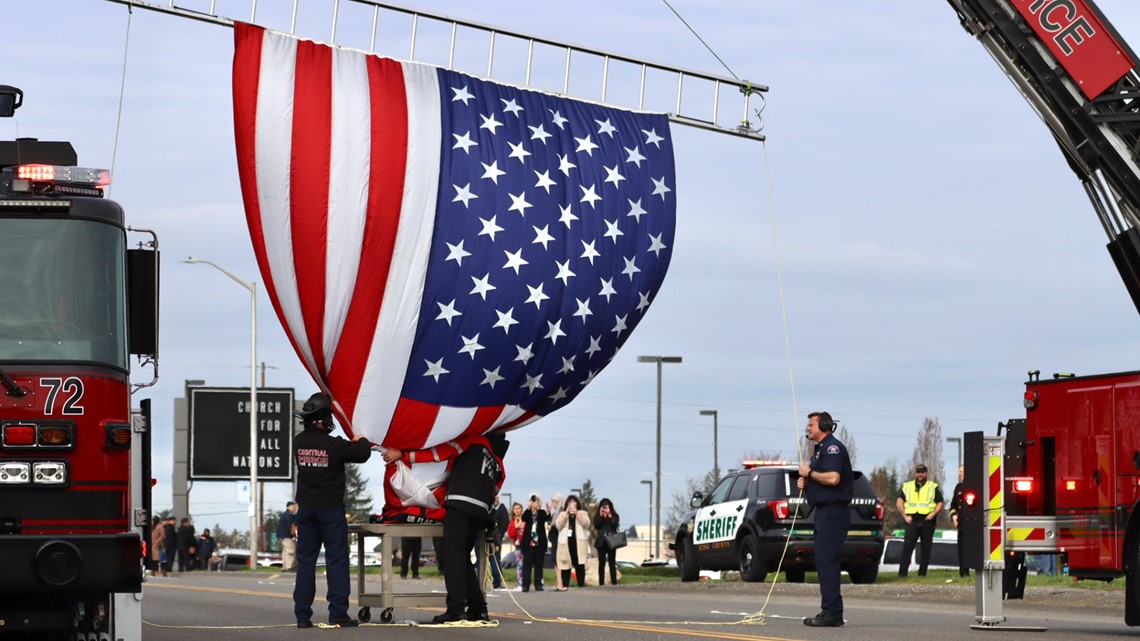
(1079, 76)
(689, 97)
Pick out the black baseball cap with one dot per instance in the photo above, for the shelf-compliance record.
(920, 468)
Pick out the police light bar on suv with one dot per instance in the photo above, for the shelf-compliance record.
(748, 464)
(44, 180)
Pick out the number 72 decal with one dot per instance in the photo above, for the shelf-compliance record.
(72, 390)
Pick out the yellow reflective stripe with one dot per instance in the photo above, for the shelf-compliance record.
(997, 550)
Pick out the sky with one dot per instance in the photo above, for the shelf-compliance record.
(933, 245)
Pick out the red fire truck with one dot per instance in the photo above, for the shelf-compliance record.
(1066, 479)
(75, 305)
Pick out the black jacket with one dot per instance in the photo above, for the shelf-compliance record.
(320, 467)
(285, 525)
(533, 522)
(474, 479)
(186, 537)
(170, 541)
(603, 526)
(502, 521)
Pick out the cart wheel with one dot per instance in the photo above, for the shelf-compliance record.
(365, 615)
(387, 616)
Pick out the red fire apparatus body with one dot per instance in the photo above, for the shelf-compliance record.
(1072, 465)
(74, 467)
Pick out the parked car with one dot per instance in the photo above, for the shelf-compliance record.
(371, 559)
(943, 556)
(745, 522)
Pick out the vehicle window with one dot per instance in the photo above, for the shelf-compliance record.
(863, 488)
(893, 552)
(720, 494)
(944, 553)
(739, 489)
(790, 488)
(68, 301)
(771, 484)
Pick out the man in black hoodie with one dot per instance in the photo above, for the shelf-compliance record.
(474, 481)
(187, 546)
(321, 458)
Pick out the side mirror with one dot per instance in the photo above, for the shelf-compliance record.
(697, 499)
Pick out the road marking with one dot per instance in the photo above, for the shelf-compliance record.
(631, 626)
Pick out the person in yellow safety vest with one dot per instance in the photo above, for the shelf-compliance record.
(919, 502)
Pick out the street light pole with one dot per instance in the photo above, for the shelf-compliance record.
(716, 465)
(254, 530)
(659, 360)
(650, 484)
(958, 440)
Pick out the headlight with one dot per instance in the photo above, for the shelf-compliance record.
(14, 472)
(49, 472)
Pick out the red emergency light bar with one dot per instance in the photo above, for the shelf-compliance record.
(1022, 485)
(751, 463)
(62, 174)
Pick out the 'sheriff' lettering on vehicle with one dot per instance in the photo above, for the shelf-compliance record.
(720, 528)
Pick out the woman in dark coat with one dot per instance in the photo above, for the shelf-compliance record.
(534, 542)
(606, 522)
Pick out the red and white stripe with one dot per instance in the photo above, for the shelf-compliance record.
(338, 155)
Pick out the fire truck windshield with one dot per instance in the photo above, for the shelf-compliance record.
(62, 291)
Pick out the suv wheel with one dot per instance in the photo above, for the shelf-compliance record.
(864, 574)
(752, 567)
(687, 560)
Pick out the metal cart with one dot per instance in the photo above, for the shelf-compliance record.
(386, 598)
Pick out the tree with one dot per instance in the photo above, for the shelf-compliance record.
(357, 500)
(887, 481)
(928, 450)
(679, 505)
(587, 498)
(848, 441)
(221, 536)
(269, 530)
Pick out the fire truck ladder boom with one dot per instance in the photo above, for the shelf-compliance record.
(676, 88)
(1099, 136)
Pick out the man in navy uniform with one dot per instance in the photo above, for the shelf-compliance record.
(828, 483)
(321, 458)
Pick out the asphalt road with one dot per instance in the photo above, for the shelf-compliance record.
(227, 606)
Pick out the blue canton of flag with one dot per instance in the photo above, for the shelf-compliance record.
(553, 230)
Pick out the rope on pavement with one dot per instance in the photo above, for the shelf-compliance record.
(758, 618)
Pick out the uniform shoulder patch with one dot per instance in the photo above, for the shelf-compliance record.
(832, 449)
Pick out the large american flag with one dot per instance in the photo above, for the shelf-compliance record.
(448, 255)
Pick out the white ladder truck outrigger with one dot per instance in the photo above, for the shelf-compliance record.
(1065, 480)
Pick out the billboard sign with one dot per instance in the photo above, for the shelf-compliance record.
(219, 434)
